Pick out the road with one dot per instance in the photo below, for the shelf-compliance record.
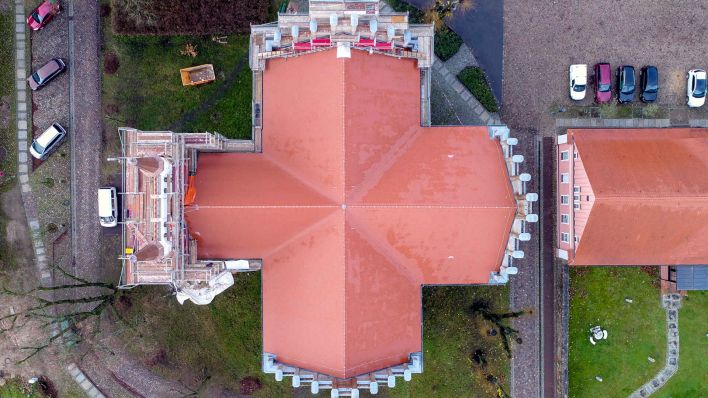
(86, 133)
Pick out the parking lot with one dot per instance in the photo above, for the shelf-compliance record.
(541, 41)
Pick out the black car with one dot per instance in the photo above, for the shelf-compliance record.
(46, 73)
(625, 84)
(650, 84)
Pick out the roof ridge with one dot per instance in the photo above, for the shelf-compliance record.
(299, 234)
(649, 197)
(304, 182)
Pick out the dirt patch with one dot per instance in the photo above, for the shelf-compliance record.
(105, 10)
(5, 110)
(159, 357)
(249, 385)
(110, 63)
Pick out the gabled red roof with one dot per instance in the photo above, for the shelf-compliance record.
(353, 206)
(651, 196)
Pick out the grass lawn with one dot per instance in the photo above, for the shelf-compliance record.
(225, 339)
(16, 389)
(146, 91)
(635, 331)
(8, 139)
(690, 380)
(474, 79)
(450, 336)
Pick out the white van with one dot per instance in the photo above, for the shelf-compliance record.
(107, 207)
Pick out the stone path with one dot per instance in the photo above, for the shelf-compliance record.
(85, 383)
(671, 303)
(619, 123)
(23, 138)
(468, 111)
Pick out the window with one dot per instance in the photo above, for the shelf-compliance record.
(564, 199)
(564, 178)
(564, 219)
(576, 198)
(587, 198)
(564, 155)
(575, 155)
(565, 237)
(576, 239)
(576, 205)
(576, 189)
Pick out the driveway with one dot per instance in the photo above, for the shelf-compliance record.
(482, 29)
(542, 40)
(87, 132)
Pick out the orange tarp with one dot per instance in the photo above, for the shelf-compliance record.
(353, 207)
(651, 196)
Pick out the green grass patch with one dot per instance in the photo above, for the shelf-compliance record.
(690, 380)
(17, 389)
(473, 78)
(636, 331)
(225, 339)
(450, 337)
(8, 139)
(146, 91)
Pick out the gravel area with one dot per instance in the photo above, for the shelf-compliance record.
(87, 146)
(541, 41)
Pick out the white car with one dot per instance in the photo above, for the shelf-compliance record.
(578, 81)
(48, 141)
(696, 88)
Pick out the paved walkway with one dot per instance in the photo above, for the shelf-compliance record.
(465, 108)
(671, 303)
(84, 382)
(23, 140)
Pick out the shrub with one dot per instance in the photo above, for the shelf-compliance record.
(651, 111)
(197, 17)
(447, 42)
(110, 63)
(473, 78)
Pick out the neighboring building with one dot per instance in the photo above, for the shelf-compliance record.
(633, 196)
(346, 198)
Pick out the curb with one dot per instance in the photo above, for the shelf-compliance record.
(84, 382)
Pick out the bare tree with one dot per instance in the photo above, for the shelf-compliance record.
(60, 309)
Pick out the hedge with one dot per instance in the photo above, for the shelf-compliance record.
(187, 17)
(473, 78)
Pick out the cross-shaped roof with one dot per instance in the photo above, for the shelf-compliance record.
(353, 206)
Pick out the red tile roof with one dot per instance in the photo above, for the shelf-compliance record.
(353, 206)
(651, 196)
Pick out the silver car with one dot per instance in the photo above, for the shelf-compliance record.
(48, 141)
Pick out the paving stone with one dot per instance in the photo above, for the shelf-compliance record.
(24, 179)
(80, 378)
(22, 135)
(466, 95)
(21, 96)
(484, 117)
(22, 124)
(22, 115)
(22, 156)
(25, 188)
(22, 168)
(93, 392)
(22, 145)
(20, 18)
(19, 36)
(19, 84)
(19, 27)
(72, 368)
(20, 74)
(458, 87)
(444, 72)
(22, 107)
(39, 250)
(46, 275)
(86, 385)
(34, 224)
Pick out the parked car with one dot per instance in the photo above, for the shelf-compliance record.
(46, 73)
(578, 81)
(43, 14)
(48, 141)
(696, 88)
(107, 207)
(603, 83)
(649, 83)
(625, 84)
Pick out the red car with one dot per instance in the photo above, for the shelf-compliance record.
(603, 83)
(43, 14)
